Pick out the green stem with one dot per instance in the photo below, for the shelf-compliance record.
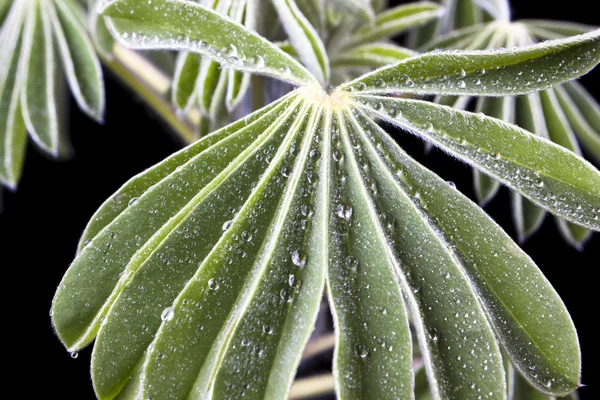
(152, 86)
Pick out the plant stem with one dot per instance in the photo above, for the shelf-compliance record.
(152, 86)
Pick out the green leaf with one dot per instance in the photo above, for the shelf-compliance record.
(13, 135)
(363, 282)
(498, 9)
(305, 39)
(560, 133)
(583, 113)
(549, 175)
(501, 108)
(527, 315)
(487, 73)
(76, 326)
(79, 61)
(187, 70)
(100, 35)
(185, 26)
(547, 29)
(441, 299)
(528, 218)
(223, 293)
(38, 100)
(455, 39)
(314, 11)
(460, 14)
(370, 55)
(361, 9)
(392, 22)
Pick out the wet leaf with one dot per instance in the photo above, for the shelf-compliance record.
(175, 25)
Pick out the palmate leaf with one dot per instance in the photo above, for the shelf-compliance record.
(304, 38)
(39, 37)
(202, 277)
(555, 120)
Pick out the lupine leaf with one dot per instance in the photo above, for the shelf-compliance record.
(455, 38)
(80, 63)
(440, 300)
(38, 99)
(487, 73)
(548, 29)
(176, 25)
(304, 37)
(394, 21)
(527, 314)
(370, 55)
(76, 326)
(201, 280)
(501, 108)
(584, 115)
(498, 9)
(528, 217)
(361, 8)
(184, 81)
(547, 174)
(12, 125)
(99, 32)
(560, 133)
(363, 282)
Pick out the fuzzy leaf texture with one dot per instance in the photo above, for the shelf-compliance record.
(202, 276)
(43, 42)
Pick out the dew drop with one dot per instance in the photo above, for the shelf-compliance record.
(74, 354)
(351, 263)
(167, 314)
(343, 211)
(361, 350)
(133, 201)
(227, 225)
(213, 284)
(298, 258)
(268, 329)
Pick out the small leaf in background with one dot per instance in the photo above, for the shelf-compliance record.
(394, 21)
(304, 38)
(36, 38)
(174, 25)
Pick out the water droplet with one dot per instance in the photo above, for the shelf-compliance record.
(343, 211)
(227, 225)
(434, 335)
(213, 284)
(351, 263)
(285, 295)
(361, 350)
(74, 354)
(298, 258)
(452, 184)
(461, 84)
(268, 329)
(167, 314)
(133, 201)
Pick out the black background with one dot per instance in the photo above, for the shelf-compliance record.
(42, 221)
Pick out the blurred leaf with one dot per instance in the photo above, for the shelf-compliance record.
(371, 55)
(393, 21)
(305, 39)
